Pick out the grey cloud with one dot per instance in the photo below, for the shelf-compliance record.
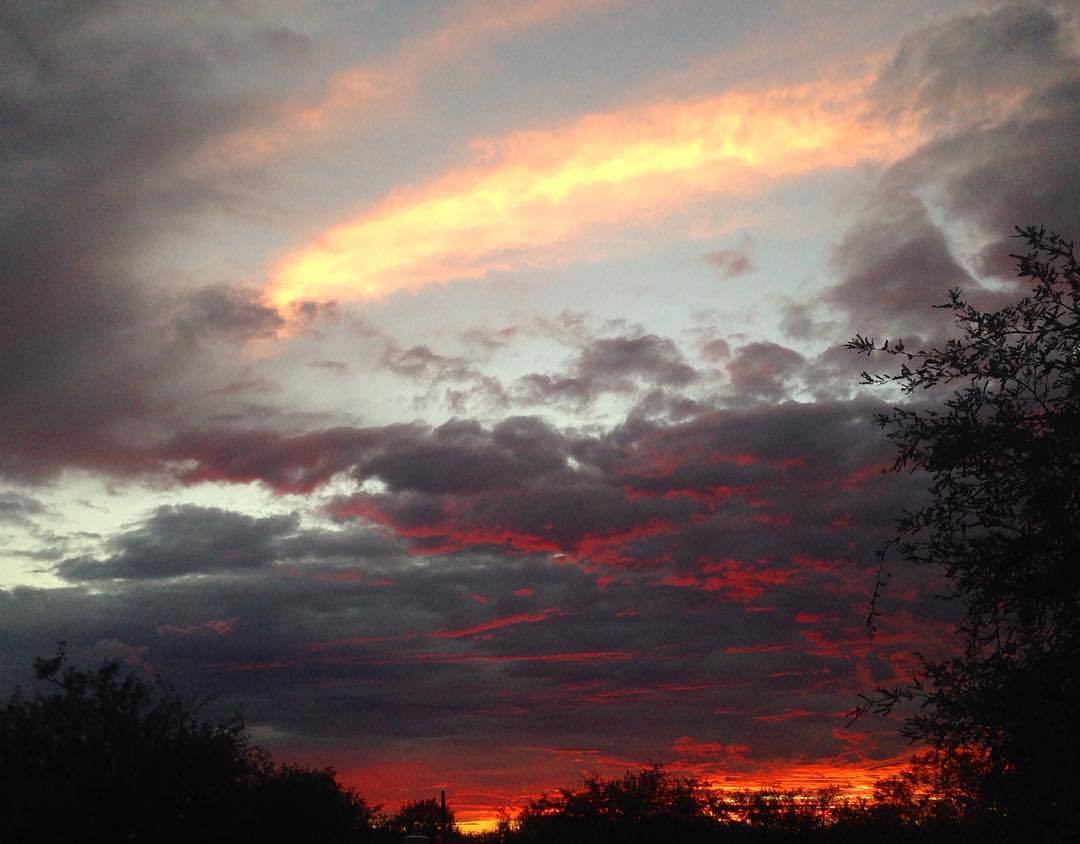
(184, 540)
(989, 167)
(763, 370)
(610, 364)
(330, 365)
(897, 265)
(953, 71)
(669, 405)
(18, 508)
(489, 340)
(730, 262)
(227, 312)
(539, 388)
(296, 463)
(629, 496)
(469, 384)
(653, 358)
(461, 456)
(1022, 172)
(365, 661)
(798, 322)
(101, 106)
(422, 362)
(486, 389)
(716, 349)
(690, 550)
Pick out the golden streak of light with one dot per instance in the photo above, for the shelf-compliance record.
(534, 196)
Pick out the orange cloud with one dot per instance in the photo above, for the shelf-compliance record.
(533, 191)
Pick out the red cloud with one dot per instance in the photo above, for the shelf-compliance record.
(570, 656)
(497, 623)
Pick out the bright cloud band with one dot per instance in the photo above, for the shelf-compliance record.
(536, 191)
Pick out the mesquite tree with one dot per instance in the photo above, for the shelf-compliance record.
(992, 417)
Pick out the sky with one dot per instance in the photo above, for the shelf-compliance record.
(458, 388)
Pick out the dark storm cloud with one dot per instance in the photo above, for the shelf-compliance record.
(345, 640)
(100, 104)
(646, 494)
(510, 581)
(517, 583)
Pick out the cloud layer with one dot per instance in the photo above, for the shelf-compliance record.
(616, 498)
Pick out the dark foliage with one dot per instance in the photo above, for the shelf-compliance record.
(108, 756)
(421, 817)
(1002, 455)
(643, 806)
(654, 806)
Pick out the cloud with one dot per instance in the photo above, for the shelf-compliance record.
(18, 508)
(730, 262)
(762, 370)
(400, 652)
(951, 72)
(648, 356)
(1022, 172)
(646, 495)
(610, 364)
(715, 560)
(637, 581)
(897, 265)
(101, 105)
(183, 540)
(532, 192)
(421, 362)
(998, 93)
(362, 90)
(228, 312)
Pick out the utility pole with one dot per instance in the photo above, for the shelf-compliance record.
(442, 816)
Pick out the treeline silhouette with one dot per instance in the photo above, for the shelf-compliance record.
(652, 805)
(105, 755)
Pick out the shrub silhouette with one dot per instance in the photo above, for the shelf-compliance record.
(420, 817)
(109, 756)
(642, 806)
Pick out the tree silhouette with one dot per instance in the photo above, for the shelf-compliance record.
(422, 817)
(642, 806)
(108, 756)
(1001, 452)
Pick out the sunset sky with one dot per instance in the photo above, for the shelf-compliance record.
(457, 387)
